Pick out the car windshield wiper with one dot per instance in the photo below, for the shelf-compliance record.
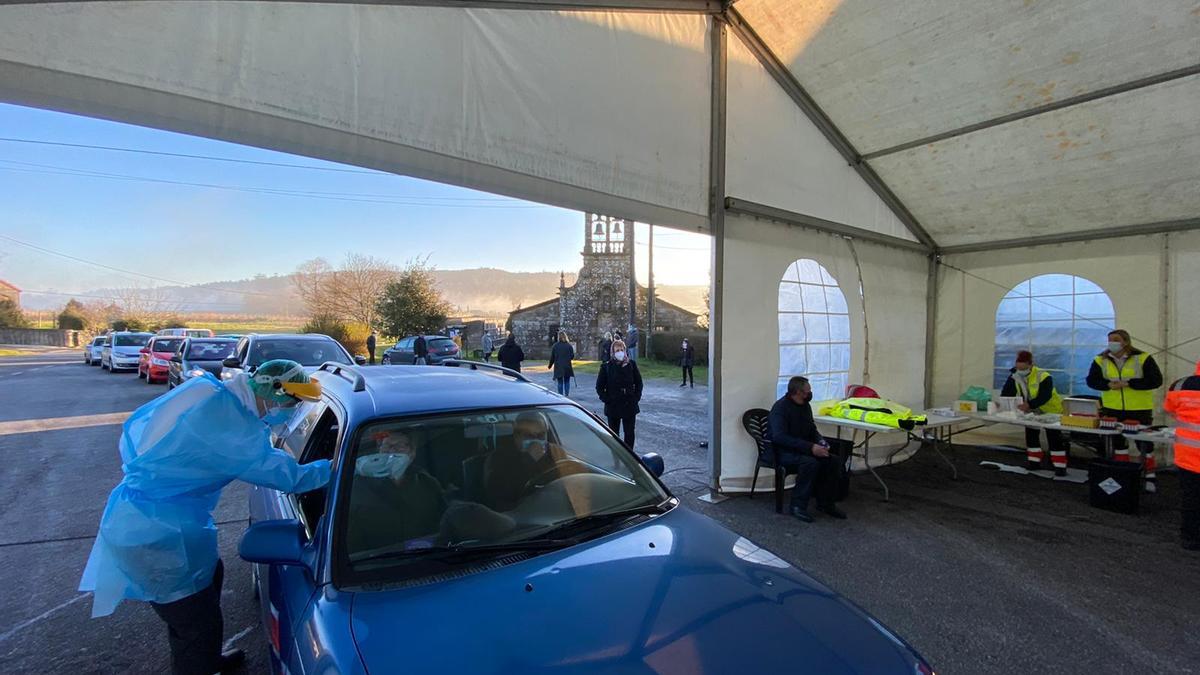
(594, 520)
(458, 551)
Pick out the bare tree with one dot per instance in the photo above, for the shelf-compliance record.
(350, 292)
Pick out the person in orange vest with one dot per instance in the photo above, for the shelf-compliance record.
(1126, 378)
(1183, 402)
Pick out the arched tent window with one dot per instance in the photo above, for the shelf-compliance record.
(1063, 319)
(814, 330)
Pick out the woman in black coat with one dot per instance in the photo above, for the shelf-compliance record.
(619, 385)
(561, 355)
(511, 355)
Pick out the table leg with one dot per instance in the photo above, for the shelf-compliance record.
(936, 448)
(887, 497)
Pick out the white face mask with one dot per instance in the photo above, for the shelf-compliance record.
(620, 356)
(1115, 347)
(534, 447)
(383, 465)
(1023, 373)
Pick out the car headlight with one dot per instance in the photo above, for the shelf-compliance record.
(158, 362)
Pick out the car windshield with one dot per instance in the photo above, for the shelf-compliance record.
(210, 351)
(131, 340)
(172, 345)
(424, 492)
(305, 352)
(98, 341)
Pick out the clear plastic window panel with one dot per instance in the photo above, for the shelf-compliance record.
(1063, 319)
(814, 330)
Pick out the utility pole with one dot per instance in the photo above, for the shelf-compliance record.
(631, 229)
(650, 295)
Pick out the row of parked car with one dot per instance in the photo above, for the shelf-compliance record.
(174, 355)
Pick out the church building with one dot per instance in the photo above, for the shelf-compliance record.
(598, 301)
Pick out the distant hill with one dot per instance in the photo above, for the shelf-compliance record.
(482, 291)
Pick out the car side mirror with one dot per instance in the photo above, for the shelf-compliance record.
(275, 542)
(175, 358)
(360, 359)
(654, 462)
(231, 363)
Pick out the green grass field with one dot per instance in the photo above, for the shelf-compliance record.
(650, 369)
(241, 326)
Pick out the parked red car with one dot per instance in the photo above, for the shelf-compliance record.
(156, 356)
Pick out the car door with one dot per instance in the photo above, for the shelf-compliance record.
(287, 592)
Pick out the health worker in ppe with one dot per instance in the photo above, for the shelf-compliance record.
(157, 540)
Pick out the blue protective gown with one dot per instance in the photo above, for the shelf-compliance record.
(157, 540)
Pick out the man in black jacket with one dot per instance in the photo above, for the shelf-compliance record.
(792, 431)
(420, 351)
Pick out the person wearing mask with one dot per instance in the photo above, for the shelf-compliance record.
(631, 341)
(619, 386)
(1183, 403)
(157, 541)
(1038, 395)
(371, 348)
(511, 355)
(391, 500)
(488, 347)
(605, 348)
(561, 356)
(792, 431)
(1126, 378)
(420, 351)
(687, 357)
(509, 471)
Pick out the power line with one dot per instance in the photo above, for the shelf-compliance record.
(125, 271)
(499, 203)
(64, 294)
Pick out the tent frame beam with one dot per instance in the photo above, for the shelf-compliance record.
(744, 207)
(716, 212)
(657, 6)
(1143, 229)
(1106, 92)
(788, 82)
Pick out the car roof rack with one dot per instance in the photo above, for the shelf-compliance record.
(476, 365)
(344, 371)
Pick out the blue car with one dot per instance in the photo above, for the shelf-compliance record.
(477, 523)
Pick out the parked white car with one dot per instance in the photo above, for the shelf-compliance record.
(123, 350)
(94, 350)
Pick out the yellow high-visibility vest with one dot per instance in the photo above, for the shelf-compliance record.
(1030, 386)
(1127, 398)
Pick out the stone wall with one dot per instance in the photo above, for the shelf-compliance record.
(43, 337)
(532, 328)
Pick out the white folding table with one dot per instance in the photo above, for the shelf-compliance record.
(937, 430)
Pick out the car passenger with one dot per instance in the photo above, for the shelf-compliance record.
(392, 501)
(509, 471)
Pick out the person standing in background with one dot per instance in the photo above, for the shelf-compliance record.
(619, 386)
(420, 351)
(488, 345)
(1126, 378)
(371, 348)
(511, 355)
(605, 348)
(687, 358)
(561, 356)
(631, 342)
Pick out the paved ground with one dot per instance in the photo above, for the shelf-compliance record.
(992, 573)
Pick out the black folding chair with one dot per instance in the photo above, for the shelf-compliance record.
(754, 421)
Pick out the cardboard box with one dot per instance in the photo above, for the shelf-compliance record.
(1081, 421)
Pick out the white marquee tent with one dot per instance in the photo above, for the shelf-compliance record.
(935, 154)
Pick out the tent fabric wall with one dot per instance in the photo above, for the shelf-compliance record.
(775, 155)
(1130, 270)
(756, 254)
(552, 106)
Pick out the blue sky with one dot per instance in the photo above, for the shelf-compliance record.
(196, 234)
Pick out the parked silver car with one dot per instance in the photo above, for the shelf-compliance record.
(123, 350)
(94, 350)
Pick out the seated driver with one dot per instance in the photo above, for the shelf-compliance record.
(392, 501)
(508, 471)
